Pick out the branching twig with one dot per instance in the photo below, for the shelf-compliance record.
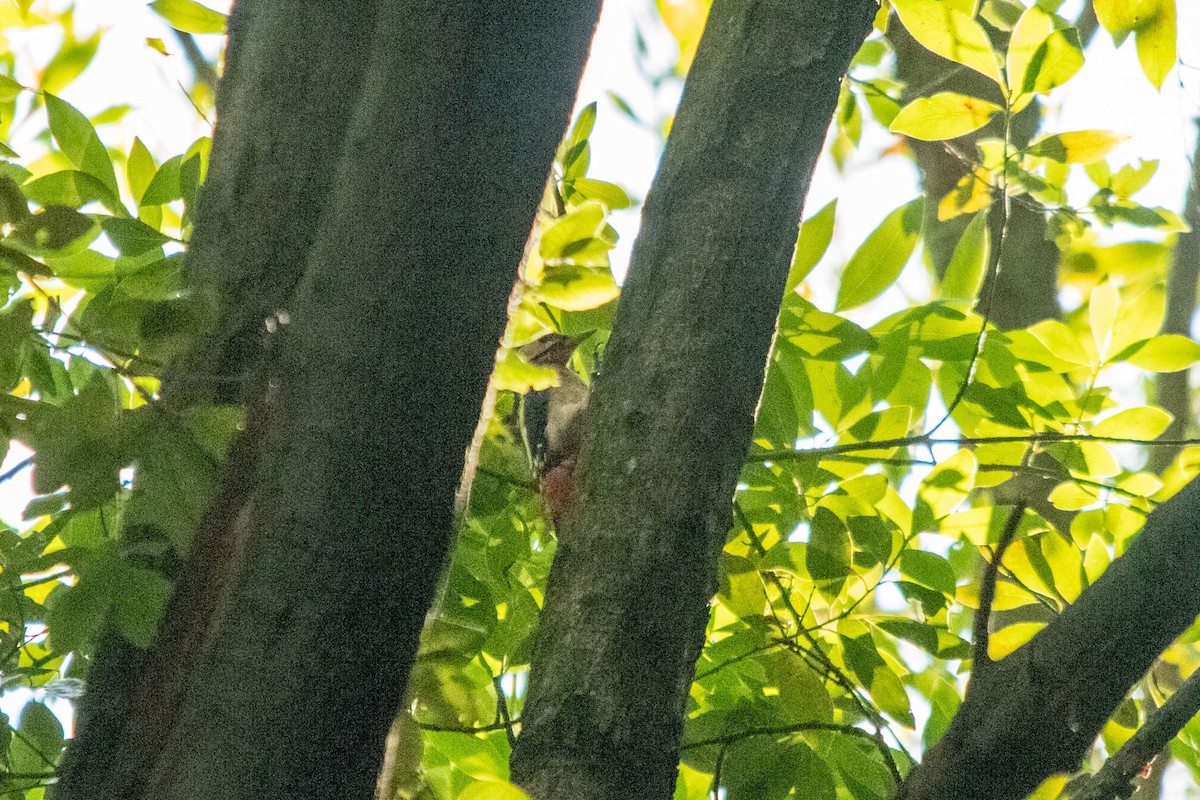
(981, 661)
(1115, 778)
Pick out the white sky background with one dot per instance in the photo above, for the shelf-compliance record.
(1109, 93)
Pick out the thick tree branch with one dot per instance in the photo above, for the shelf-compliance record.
(1115, 778)
(1038, 711)
(673, 407)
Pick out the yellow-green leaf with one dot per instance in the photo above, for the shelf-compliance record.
(189, 16)
(1102, 315)
(878, 261)
(951, 34)
(949, 482)
(1143, 424)
(1061, 341)
(964, 274)
(1054, 63)
(972, 193)
(946, 115)
(492, 790)
(1156, 41)
(1167, 353)
(1096, 559)
(1121, 17)
(1004, 641)
(1030, 31)
(816, 232)
(1076, 147)
(576, 288)
(1071, 496)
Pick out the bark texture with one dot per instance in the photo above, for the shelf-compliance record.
(672, 411)
(285, 102)
(1173, 392)
(374, 388)
(290, 87)
(1038, 711)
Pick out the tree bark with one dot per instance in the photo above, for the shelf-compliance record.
(1174, 394)
(673, 408)
(284, 104)
(291, 84)
(373, 389)
(1038, 711)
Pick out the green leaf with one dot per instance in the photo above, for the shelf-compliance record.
(1167, 353)
(71, 188)
(612, 196)
(888, 693)
(945, 115)
(948, 483)
(132, 237)
(189, 16)
(1075, 147)
(37, 748)
(1144, 423)
(140, 600)
(165, 185)
(53, 228)
(569, 235)
(950, 34)
(80, 144)
(1054, 63)
(491, 790)
(1128, 180)
(139, 169)
(879, 260)
(1028, 34)
(828, 554)
(1121, 17)
(929, 570)
(1156, 41)
(816, 233)
(75, 616)
(9, 90)
(1103, 306)
(968, 265)
(69, 62)
(576, 288)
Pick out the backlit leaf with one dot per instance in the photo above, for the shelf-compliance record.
(1156, 42)
(879, 260)
(965, 272)
(945, 115)
(1145, 423)
(79, 142)
(972, 193)
(1054, 63)
(815, 234)
(950, 34)
(1075, 147)
(189, 16)
(1166, 353)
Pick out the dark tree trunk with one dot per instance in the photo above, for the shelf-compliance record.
(673, 407)
(289, 87)
(297, 663)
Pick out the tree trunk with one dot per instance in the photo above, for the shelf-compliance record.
(375, 387)
(1174, 395)
(1038, 711)
(673, 408)
(284, 104)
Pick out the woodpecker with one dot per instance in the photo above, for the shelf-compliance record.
(553, 420)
